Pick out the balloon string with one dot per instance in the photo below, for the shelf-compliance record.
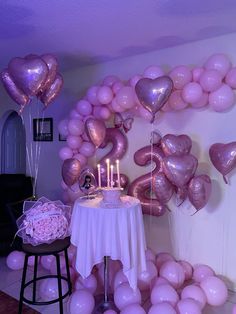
(225, 180)
(151, 173)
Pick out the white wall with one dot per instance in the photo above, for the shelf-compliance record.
(208, 237)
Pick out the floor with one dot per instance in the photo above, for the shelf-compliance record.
(10, 284)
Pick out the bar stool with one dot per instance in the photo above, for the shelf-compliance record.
(54, 248)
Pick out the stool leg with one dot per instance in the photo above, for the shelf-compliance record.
(68, 271)
(59, 283)
(35, 276)
(23, 284)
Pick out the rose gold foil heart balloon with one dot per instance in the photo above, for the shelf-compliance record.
(70, 171)
(52, 64)
(223, 157)
(51, 92)
(176, 145)
(199, 190)
(96, 131)
(180, 169)
(162, 187)
(153, 94)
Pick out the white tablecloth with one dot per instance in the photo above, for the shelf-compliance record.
(98, 231)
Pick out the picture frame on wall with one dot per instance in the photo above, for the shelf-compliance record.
(43, 129)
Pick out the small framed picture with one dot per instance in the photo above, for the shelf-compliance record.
(43, 129)
(62, 138)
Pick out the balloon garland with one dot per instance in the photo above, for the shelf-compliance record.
(144, 96)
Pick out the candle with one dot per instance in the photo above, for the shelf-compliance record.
(99, 175)
(112, 183)
(118, 172)
(108, 172)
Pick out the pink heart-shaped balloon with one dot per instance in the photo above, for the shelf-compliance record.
(153, 94)
(223, 157)
(199, 190)
(52, 64)
(29, 73)
(176, 145)
(70, 171)
(162, 188)
(51, 92)
(180, 169)
(96, 131)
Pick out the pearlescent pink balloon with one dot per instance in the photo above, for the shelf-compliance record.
(84, 107)
(158, 281)
(124, 295)
(46, 261)
(104, 95)
(199, 190)
(75, 115)
(125, 97)
(192, 92)
(231, 78)
(196, 293)
(219, 62)
(166, 107)
(116, 87)
(65, 153)
(133, 308)
(73, 273)
(210, 80)
(116, 107)
(164, 293)
(75, 126)
(134, 80)
(48, 288)
(180, 75)
(162, 258)
(102, 112)
(80, 302)
(81, 158)
(203, 101)
(150, 255)
(92, 95)
(110, 80)
(200, 272)
(222, 99)
(173, 272)
(31, 261)
(63, 127)
(215, 290)
(188, 269)
(53, 265)
(162, 308)
(73, 141)
(176, 101)
(188, 306)
(145, 278)
(87, 149)
(196, 72)
(15, 260)
(89, 283)
(119, 278)
(153, 72)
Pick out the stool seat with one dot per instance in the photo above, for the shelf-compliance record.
(46, 249)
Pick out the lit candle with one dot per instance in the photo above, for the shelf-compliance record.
(112, 183)
(108, 172)
(99, 175)
(118, 172)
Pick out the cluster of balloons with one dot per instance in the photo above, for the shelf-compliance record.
(174, 172)
(173, 286)
(32, 76)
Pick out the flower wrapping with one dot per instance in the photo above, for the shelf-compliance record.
(44, 221)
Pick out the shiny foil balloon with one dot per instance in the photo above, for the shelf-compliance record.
(70, 171)
(29, 74)
(199, 190)
(52, 91)
(176, 145)
(87, 182)
(13, 91)
(153, 94)
(223, 157)
(162, 187)
(52, 64)
(96, 131)
(180, 169)
(181, 195)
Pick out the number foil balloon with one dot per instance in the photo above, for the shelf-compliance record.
(176, 145)
(153, 94)
(96, 131)
(70, 171)
(223, 157)
(199, 190)
(52, 91)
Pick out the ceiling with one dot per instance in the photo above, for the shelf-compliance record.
(83, 32)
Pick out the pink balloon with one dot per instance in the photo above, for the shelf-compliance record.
(203, 101)
(31, 261)
(104, 95)
(231, 78)
(53, 265)
(96, 131)
(124, 295)
(119, 279)
(150, 255)
(116, 87)
(84, 107)
(197, 72)
(162, 258)
(63, 127)
(52, 64)
(110, 80)
(180, 75)
(116, 107)
(222, 99)
(70, 171)
(173, 272)
(176, 145)
(210, 80)
(158, 281)
(153, 72)
(52, 91)
(73, 273)
(162, 308)
(92, 95)
(219, 62)
(65, 153)
(15, 260)
(192, 92)
(75, 115)
(134, 80)
(71, 252)
(164, 293)
(125, 97)
(87, 149)
(133, 308)
(146, 277)
(48, 289)
(81, 158)
(89, 283)
(162, 187)
(199, 190)
(194, 292)
(74, 141)
(81, 302)
(145, 114)
(188, 306)
(215, 290)
(110, 312)
(201, 272)
(176, 101)
(188, 269)
(46, 261)
(104, 113)
(75, 127)
(166, 107)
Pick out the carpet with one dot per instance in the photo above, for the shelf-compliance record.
(9, 305)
